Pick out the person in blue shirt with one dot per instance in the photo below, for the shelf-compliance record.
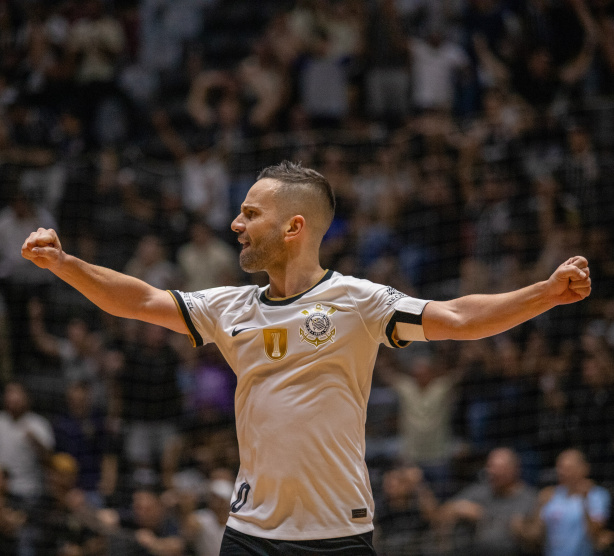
(571, 515)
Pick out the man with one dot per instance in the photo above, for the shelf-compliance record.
(571, 516)
(303, 349)
(26, 444)
(492, 507)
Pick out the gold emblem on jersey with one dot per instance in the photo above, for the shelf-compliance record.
(318, 328)
(275, 343)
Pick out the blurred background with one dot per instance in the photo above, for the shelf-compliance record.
(470, 144)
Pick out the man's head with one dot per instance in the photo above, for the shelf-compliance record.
(148, 509)
(571, 467)
(289, 207)
(16, 401)
(502, 469)
(78, 399)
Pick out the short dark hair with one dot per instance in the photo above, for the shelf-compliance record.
(293, 173)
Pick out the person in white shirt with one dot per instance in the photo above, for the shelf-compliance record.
(303, 349)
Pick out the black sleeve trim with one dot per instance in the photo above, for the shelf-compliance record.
(407, 318)
(196, 338)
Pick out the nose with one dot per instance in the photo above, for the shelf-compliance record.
(237, 225)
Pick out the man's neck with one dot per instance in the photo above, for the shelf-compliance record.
(294, 280)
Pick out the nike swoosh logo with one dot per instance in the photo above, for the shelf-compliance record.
(239, 330)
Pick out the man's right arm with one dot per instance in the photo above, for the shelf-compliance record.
(115, 293)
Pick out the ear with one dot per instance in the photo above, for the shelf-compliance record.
(294, 227)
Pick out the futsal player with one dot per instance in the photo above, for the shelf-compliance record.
(303, 349)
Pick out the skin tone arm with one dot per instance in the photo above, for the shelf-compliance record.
(479, 316)
(115, 293)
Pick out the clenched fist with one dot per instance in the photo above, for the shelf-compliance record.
(571, 281)
(43, 248)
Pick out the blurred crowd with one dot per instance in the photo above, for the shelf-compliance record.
(470, 144)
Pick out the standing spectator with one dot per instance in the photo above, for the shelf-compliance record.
(405, 513)
(570, 516)
(490, 508)
(16, 282)
(150, 264)
(59, 531)
(81, 433)
(387, 79)
(206, 261)
(77, 352)
(204, 174)
(96, 41)
(11, 520)
(151, 404)
(211, 520)
(592, 408)
(147, 529)
(436, 66)
(26, 441)
(580, 174)
(425, 402)
(324, 85)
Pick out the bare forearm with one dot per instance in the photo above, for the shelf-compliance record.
(479, 316)
(115, 293)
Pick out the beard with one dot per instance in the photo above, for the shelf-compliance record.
(258, 257)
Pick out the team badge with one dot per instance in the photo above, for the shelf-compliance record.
(318, 328)
(275, 343)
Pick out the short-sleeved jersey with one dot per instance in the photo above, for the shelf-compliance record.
(304, 366)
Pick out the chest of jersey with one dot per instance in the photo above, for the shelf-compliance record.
(274, 337)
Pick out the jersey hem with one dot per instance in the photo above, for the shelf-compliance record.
(276, 535)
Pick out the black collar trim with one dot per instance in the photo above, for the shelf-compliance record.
(287, 300)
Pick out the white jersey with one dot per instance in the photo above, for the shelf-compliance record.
(304, 366)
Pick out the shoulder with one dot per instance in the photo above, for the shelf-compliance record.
(476, 492)
(545, 495)
(599, 492)
(35, 419)
(221, 295)
(360, 287)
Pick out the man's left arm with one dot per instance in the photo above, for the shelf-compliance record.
(478, 316)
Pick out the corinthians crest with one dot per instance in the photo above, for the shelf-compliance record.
(318, 328)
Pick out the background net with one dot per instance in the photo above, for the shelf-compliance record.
(470, 148)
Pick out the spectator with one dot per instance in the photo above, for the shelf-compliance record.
(151, 404)
(11, 520)
(147, 529)
(437, 65)
(206, 261)
(211, 521)
(387, 78)
(77, 353)
(59, 529)
(570, 516)
(425, 403)
(82, 434)
(323, 85)
(204, 175)
(405, 513)
(592, 408)
(491, 508)
(95, 42)
(17, 284)
(26, 441)
(151, 265)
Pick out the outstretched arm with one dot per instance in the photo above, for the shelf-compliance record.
(113, 292)
(478, 316)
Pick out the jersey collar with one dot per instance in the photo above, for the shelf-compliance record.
(287, 300)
